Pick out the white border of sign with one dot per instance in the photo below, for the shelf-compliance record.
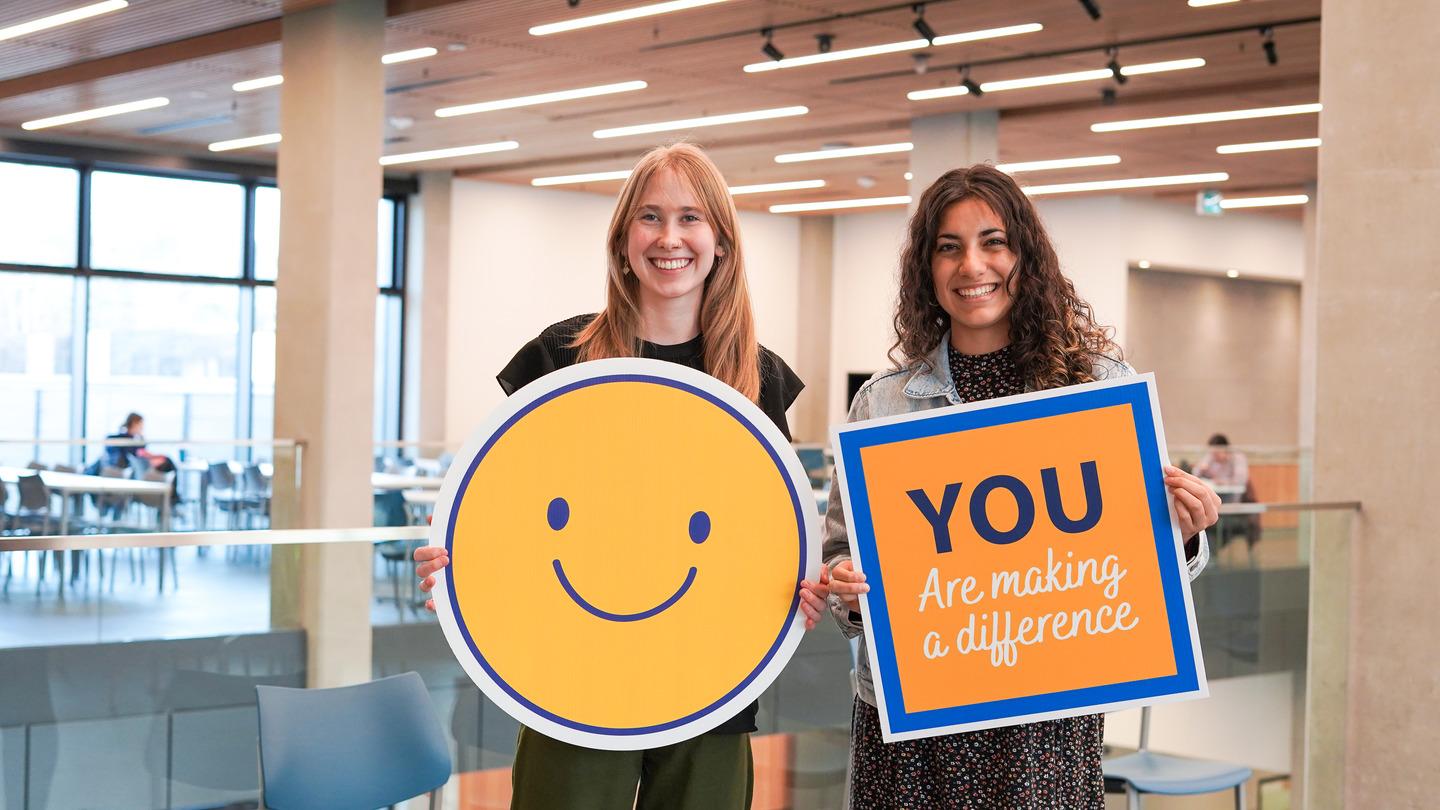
(876, 671)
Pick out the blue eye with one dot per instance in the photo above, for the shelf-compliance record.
(558, 514)
(699, 527)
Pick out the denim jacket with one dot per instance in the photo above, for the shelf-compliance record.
(918, 387)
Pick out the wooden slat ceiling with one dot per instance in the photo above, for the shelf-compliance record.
(486, 53)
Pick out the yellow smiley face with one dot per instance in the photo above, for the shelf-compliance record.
(627, 539)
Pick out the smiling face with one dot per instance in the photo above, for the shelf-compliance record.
(670, 243)
(971, 265)
(622, 542)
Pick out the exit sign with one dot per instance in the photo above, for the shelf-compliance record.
(1207, 202)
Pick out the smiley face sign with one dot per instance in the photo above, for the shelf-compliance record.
(627, 539)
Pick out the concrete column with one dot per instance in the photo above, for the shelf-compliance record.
(427, 301)
(1377, 381)
(1307, 334)
(812, 358)
(331, 115)
(945, 142)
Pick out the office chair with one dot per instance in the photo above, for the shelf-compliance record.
(1148, 772)
(365, 746)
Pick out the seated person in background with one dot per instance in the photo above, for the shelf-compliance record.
(130, 455)
(1230, 469)
(1222, 465)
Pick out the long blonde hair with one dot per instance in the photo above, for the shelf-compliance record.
(726, 321)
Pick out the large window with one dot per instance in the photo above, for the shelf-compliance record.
(166, 350)
(166, 313)
(39, 214)
(35, 361)
(166, 225)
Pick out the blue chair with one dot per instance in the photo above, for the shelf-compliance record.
(1148, 772)
(352, 747)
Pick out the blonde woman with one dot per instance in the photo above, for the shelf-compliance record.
(675, 291)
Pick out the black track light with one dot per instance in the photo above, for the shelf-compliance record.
(921, 27)
(769, 48)
(1268, 44)
(1091, 9)
(968, 83)
(1114, 65)
(823, 42)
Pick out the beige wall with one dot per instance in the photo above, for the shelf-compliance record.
(523, 258)
(1225, 352)
(1097, 239)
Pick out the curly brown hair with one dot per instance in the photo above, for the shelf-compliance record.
(1053, 333)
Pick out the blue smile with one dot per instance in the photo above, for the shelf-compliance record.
(621, 617)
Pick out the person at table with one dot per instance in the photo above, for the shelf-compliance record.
(131, 453)
(1229, 470)
(1223, 466)
(983, 311)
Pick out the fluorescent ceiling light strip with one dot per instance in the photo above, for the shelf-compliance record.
(63, 18)
(256, 84)
(1043, 81)
(831, 205)
(242, 143)
(1162, 67)
(1204, 118)
(1058, 78)
(1062, 163)
(989, 33)
(1201, 3)
(1267, 146)
(937, 92)
(99, 112)
(762, 188)
(853, 151)
(590, 177)
(1131, 182)
(454, 151)
(540, 98)
(1264, 202)
(707, 121)
(837, 56)
(891, 47)
(620, 16)
(407, 56)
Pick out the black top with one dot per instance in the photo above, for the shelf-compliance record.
(779, 386)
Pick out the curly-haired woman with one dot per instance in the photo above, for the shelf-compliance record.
(983, 311)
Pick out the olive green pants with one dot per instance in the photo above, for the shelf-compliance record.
(709, 772)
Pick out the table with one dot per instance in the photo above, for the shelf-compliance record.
(1229, 493)
(421, 497)
(391, 481)
(68, 484)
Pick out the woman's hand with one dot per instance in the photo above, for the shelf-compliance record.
(813, 596)
(848, 584)
(430, 559)
(1197, 506)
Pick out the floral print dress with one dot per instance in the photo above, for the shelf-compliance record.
(1051, 764)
